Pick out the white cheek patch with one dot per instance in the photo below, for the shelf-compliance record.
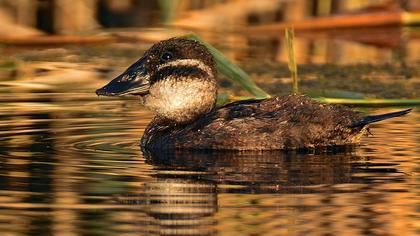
(188, 62)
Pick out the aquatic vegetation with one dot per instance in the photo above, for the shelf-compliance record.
(238, 75)
(232, 71)
(7, 69)
(7, 65)
(370, 102)
(290, 35)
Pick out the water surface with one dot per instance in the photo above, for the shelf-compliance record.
(71, 164)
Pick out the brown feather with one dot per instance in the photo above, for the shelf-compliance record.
(291, 122)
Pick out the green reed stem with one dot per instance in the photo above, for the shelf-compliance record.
(290, 35)
(168, 9)
(370, 102)
(232, 71)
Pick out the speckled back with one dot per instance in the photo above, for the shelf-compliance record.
(291, 122)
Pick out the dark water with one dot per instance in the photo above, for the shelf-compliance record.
(70, 164)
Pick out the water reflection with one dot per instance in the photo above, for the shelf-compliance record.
(81, 171)
(266, 171)
(182, 198)
(70, 163)
(176, 205)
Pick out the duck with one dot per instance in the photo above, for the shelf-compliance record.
(177, 80)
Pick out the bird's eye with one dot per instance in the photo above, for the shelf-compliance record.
(166, 56)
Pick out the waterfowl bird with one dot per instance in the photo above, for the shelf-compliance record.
(177, 80)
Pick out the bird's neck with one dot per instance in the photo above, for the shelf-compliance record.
(182, 100)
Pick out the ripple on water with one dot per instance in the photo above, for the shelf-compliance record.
(79, 163)
(83, 125)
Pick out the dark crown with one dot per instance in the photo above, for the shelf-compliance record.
(175, 49)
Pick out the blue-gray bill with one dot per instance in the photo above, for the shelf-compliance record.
(134, 81)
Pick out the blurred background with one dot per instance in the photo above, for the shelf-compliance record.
(327, 32)
(70, 163)
(34, 17)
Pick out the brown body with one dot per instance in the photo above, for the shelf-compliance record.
(292, 122)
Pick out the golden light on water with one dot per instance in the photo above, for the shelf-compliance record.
(70, 162)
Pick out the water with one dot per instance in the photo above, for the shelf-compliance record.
(71, 165)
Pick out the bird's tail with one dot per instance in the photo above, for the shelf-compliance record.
(375, 118)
